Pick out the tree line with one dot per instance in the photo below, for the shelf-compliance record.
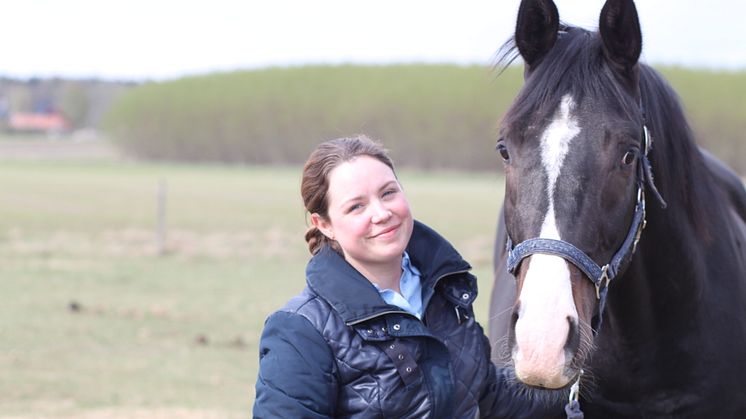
(430, 116)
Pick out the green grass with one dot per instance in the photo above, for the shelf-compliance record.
(84, 233)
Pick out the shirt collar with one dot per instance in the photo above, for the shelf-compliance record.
(406, 265)
(408, 272)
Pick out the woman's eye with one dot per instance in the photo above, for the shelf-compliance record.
(389, 192)
(503, 150)
(354, 208)
(629, 157)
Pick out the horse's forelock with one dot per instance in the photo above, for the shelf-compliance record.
(575, 67)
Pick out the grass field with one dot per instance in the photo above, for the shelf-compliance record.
(95, 323)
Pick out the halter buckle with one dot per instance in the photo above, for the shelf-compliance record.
(603, 281)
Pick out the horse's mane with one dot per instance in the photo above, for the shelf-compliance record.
(578, 67)
(680, 170)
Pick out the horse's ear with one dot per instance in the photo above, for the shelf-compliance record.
(536, 29)
(621, 35)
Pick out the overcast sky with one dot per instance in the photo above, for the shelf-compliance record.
(162, 39)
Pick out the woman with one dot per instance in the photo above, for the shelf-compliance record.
(385, 326)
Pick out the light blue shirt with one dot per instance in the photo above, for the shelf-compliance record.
(410, 299)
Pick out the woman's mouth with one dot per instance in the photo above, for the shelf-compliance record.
(387, 232)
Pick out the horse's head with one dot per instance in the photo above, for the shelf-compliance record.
(573, 145)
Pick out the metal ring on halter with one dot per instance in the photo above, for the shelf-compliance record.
(603, 281)
(575, 389)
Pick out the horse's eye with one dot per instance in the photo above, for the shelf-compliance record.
(503, 150)
(629, 157)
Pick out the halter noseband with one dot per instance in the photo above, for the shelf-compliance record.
(601, 276)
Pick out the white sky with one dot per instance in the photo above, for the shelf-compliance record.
(162, 39)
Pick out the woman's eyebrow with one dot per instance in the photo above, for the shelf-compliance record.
(387, 184)
(349, 200)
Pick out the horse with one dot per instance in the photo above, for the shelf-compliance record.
(620, 253)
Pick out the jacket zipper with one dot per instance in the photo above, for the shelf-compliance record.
(364, 319)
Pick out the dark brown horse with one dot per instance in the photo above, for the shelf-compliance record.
(649, 328)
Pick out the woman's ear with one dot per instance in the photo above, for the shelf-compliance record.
(324, 226)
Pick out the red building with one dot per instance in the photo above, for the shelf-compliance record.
(49, 123)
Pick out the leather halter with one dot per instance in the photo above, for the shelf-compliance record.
(601, 276)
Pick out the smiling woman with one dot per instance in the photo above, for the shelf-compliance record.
(385, 326)
(369, 218)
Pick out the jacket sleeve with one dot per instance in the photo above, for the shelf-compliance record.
(296, 371)
(500, 399)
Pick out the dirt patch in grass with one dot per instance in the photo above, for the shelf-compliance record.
(57, 149)
(68, 250)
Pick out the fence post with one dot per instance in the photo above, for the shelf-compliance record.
(161, 228)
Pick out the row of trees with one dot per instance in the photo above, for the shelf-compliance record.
(430, 116)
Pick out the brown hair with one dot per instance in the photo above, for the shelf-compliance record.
(314, 186)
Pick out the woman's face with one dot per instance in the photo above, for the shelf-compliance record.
(369, 215)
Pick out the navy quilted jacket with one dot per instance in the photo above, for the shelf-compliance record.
(338, 350)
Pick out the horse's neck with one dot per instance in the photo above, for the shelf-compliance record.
(682, 277)
(674, 317)
(663, 271)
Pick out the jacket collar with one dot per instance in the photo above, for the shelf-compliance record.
(354, 298)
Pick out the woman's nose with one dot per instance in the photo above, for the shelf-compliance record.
(380, 213)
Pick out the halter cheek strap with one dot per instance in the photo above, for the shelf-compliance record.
(647, 170)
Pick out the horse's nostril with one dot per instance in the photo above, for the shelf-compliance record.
(573, 322)
(514, 315)
(511, 330)
(573, 337)
(514, 319)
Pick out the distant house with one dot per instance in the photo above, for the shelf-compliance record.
(35, 122)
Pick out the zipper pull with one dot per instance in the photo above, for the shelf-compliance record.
(460, 315)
